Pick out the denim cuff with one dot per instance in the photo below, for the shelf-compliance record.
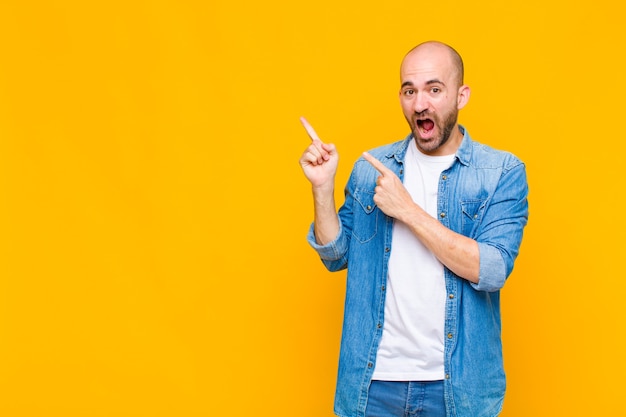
(331, 251)
(492, 273)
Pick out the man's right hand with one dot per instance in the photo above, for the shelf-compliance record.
(319, 161)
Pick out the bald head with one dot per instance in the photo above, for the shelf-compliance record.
(438, 50)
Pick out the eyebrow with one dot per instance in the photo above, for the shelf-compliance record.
(429, 82)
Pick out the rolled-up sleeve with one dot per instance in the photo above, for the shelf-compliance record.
(332, 252)
(492, 269)
(501, 233)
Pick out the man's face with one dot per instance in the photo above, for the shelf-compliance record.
(429, 97)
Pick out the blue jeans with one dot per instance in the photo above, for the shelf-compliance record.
(406, 399)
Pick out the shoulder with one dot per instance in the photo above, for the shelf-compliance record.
(388, 153)
(481, 155)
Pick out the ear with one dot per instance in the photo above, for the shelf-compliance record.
(462, 97)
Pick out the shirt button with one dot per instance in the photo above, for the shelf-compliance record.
(401, 171)
(449, 335)
(387, 250)
(444, 177)
(378, 326)
(369, 207)
(370, 364)
(451, 296)
(442, 215)
(447, 376)
(383, 288)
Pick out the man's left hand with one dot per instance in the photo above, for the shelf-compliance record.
(391, 195)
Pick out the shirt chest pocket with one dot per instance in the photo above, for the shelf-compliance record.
(365, 216)
(473, 211)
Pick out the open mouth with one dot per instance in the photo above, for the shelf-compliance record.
(425, 125)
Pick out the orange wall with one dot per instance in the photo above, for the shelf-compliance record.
(153, 213)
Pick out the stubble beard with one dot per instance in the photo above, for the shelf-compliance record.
(446, 128)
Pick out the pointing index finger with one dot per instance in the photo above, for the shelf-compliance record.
(376, 163)
(309, 129)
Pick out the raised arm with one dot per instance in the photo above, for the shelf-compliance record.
(319, 163)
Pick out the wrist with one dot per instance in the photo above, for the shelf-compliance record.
(413, 215)
(324, 190)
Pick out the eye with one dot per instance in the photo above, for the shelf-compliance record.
(409, 92)
(436, 90)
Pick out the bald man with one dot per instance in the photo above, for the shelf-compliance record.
(429, 232)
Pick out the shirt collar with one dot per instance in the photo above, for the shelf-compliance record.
(463, 153)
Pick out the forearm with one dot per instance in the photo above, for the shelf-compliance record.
(326, 221)
(458, 253)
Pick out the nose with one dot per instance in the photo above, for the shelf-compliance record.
(420, 102)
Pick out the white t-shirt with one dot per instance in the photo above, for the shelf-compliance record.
(412, 344)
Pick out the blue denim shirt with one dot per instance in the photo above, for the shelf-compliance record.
(483, 195)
